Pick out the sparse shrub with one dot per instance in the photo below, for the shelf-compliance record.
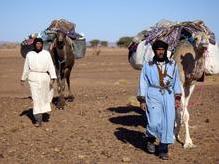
(94, 43)
(124, 41)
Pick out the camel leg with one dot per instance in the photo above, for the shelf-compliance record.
(178, 122)
(61, 89)
(67, 76)
(62, 95)
(178, 125)
(188, 141)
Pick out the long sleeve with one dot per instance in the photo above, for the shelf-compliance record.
(26, 70)
(51, 70)
(143, 83)
(177, 82)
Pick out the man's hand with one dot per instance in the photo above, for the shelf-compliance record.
(143, 106)
(177, 104)
(52, 83)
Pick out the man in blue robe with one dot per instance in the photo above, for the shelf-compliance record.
(159, 94)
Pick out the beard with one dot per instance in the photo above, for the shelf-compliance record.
(37, 50)
(164, 58)
(161, 59)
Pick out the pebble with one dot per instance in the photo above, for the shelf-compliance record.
(81, 156)
(126, 159)
(56, 150)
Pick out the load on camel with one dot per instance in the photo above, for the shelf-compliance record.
(65, 45)
(172, 32)
(188, 43)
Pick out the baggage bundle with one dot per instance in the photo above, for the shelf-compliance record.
(140, 49)
(48, 35)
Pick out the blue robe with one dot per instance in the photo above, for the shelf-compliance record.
(160, 102)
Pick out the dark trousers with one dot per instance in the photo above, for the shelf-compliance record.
(163, 148)
(38, 117)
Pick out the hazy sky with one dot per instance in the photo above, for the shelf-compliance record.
(102, 19)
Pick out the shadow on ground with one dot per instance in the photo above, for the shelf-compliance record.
(132, 116)
(29, 113)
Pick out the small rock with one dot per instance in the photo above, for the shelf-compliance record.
(11, 151)
(4, 139)
(207, 120)
(64, 121)
(81, 156)
(121, 82)
(106, 153)
(82, 113)
(56, 150)
(126, 159)
(1, 156)
(133, 101)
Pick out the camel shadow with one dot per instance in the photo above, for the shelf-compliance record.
(29, 113)
(129, 120)
(56, 100)
(127, 109)
(132, 119)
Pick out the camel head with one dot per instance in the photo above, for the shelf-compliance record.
(60, 39)
(201, 43)
(200, 48)
(191, 58)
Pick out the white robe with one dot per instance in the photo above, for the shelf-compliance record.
(38, 70)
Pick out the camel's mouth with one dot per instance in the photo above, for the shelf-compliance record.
(204, 49)
(60, 44)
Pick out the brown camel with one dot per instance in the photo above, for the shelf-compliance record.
(63, 57)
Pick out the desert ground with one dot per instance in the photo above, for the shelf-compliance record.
(103, 124)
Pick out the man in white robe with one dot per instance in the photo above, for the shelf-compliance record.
(40, 73)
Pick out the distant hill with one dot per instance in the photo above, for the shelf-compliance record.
(8, 45)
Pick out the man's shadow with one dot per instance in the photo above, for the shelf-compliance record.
(135, 138)
(137, 118)
(29, 113)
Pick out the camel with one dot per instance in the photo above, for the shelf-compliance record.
(63, 57)
(190, 60)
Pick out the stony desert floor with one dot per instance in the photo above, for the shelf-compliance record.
(103, 124)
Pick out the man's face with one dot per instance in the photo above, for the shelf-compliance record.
(39, 46)
(160, 52)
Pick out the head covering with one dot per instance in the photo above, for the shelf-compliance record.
(35, 42)
(160, 44)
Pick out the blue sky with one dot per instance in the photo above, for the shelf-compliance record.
(99, 19)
